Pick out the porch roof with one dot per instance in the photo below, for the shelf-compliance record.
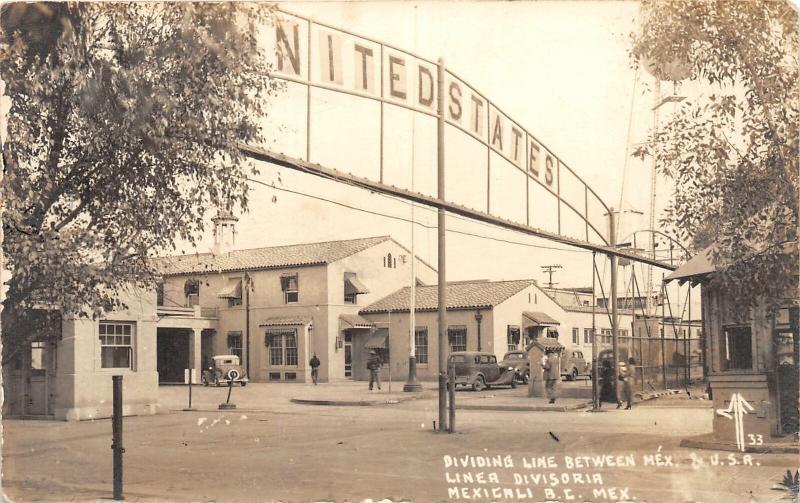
(354, 321)
(286, 321)
(697, 266)
(540, 319)
(377, 341)
(544, 343)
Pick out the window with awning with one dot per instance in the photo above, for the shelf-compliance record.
(232, 290)
(377, 340)
(352, 288)
(289, 288)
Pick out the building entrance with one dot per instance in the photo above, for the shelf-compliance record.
(173, 355)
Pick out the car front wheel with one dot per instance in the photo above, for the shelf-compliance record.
(574, 375)
(526, 377)
(479, 384)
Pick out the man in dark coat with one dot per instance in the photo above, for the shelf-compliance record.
(551, 374)
(374, 366)
(314, 364)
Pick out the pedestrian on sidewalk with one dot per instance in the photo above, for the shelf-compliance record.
(606, 383)
(551, 373)
(314, 364)
(625, 388)
(374, 366)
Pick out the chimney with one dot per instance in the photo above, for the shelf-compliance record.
(224, 232)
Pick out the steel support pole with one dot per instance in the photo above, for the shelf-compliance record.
(451, 391)
(595, 373)
(441, 253)
(116, 436)
(614, 320)
(663, 331)
(687, 341)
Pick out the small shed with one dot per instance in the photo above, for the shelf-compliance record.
(752, 359)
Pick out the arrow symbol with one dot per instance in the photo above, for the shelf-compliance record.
(737, 408)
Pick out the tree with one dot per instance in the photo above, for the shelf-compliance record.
(733, 154)
(124, 128)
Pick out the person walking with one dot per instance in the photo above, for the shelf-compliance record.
(374, 366)
(551, 374)
(625, 388)
(314, 364)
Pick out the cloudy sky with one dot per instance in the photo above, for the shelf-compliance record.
(559, 69)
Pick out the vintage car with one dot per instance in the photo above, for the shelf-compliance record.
(223, 370)
(573, 364)
(522, 365)
(480, 370)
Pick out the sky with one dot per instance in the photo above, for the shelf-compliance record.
(559, 69)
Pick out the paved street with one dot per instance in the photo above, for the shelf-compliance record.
(270, 449)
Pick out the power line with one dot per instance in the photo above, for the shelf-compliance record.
(404, 219)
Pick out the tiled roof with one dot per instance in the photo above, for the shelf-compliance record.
(461, 295)
(272, 257)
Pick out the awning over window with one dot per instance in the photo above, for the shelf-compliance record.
(377, 340)
(233, 290)
(352, 285)
(349, 321)
(538, 319)
(286, 321)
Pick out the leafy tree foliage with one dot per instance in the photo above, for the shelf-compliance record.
(124, 128)
(733, 153)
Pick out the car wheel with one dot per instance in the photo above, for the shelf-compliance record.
(513, 384)
(479, 384)
(204, 380)
(574, 375)
(244, 383)
(526, 377)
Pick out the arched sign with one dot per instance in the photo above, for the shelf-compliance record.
(370, 110)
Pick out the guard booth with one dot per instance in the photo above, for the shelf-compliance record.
(536, 351)
(750, 354)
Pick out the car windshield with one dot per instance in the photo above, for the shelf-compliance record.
(514, 356)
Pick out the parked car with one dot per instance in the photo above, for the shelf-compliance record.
(522, 366)
(573, 364)
(223, 370)
(481, 370)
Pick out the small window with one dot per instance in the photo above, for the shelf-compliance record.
(512, 337)
(234, 301)
(290, 376)
(192, 291)
(350, 298)
(289, 288)
(457, 335)
(274, 376)
(116, 345)
(587, 336)
(492, 359)
(575, 336)
(235, 344)
(737, 348)
(421, 344)
(160, 294)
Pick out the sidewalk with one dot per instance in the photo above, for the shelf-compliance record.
(357, 394)
(785, 445)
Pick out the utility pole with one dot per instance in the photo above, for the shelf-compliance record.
(550, 269)
(614, 320)
(441, 252)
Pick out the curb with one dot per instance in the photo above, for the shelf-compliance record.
(718, 445)
(353, 403)
(524, 408)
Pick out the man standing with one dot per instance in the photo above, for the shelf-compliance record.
(551, 373)
(625, 385)
(374, 366)
(314, 364)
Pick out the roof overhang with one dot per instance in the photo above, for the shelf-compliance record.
(539, 319)
(286, 321)
(350, 321)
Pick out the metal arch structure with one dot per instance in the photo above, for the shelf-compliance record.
(312, 55)
(323, 58)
